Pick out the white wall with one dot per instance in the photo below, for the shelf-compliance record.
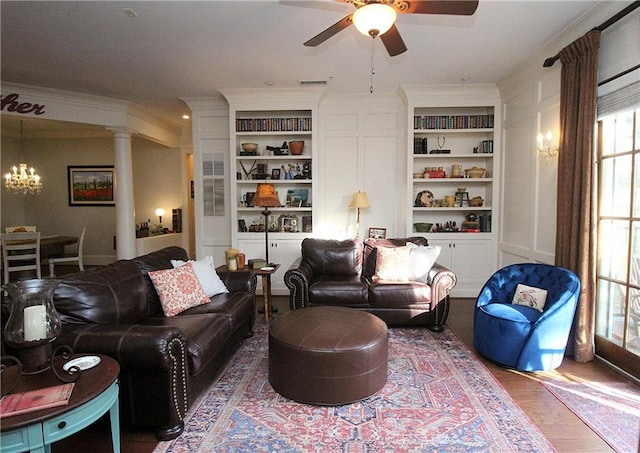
(361, 148)
(531, 104)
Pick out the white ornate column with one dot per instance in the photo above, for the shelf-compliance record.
(125, 208)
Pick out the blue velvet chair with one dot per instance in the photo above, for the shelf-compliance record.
(518, 336)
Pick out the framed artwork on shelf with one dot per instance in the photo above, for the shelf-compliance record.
(297, 198)
(377, 233)
(91, 185)
(275, 173)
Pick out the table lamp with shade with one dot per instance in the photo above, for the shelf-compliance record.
(359, 201)
(266, 197)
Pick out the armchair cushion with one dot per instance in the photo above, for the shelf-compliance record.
(331, 257)
(206, 273)
(179, 289)
(530, 296)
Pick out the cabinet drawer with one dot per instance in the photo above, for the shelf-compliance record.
(73, 421)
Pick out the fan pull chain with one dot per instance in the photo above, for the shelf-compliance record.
(373, 69)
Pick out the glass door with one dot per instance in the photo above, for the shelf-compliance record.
(618, 268)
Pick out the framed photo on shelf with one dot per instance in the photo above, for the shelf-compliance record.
(297, 198)
(377, 233)
(275, 173)
(91, 185)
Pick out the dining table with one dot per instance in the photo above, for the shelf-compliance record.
(51, 245)
(55, 244)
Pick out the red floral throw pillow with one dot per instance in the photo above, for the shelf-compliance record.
(178, 289)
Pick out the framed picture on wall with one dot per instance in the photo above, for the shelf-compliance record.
(91, 185)
(378, 233)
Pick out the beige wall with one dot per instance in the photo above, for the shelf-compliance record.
(158, 182)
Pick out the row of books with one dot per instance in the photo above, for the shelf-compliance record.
(273, 124)
(420, 146)
(453, 122)
(486, 146)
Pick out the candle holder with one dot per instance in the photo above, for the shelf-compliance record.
(32, 326)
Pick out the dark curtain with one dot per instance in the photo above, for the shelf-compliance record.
(575, 239)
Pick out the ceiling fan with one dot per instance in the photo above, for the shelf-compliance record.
(377, 18)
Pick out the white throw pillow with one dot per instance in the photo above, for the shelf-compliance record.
(207, 275)
(530, 296)
(422, 260)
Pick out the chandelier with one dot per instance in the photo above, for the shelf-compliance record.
(20, 180)
(23, 181)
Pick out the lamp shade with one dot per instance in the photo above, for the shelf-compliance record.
(266, 196)
(374, 19)
(359, 200)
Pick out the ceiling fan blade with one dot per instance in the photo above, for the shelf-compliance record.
(452, 7)
(329, 32)
(393, 41)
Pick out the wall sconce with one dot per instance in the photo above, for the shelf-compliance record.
(359, 200)
(544, 148)
(160, 213)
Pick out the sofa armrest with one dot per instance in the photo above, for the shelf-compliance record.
(442, 281)
(297, 279)
(134, 346)
(154, 374)
(238, 281)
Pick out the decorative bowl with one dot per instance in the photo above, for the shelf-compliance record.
(422, 227)
(475, 172)
(296, 147)
(249, 147)
(461, 189)
(476, 202)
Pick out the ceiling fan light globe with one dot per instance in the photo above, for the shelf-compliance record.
(374, 19)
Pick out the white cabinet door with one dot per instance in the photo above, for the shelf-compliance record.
(281, 251)
(469, 259)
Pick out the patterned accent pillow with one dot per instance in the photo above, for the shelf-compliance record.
(393, 265)
(207, 275)
(178, 289)
(530, 296)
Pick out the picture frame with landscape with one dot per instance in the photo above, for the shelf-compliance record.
(91, 185)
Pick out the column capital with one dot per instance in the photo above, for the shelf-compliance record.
(121, 131)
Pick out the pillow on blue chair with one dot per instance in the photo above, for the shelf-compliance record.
(530, 296)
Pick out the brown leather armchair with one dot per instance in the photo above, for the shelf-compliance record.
(341, 273)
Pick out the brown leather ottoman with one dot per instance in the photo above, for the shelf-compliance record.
(327, 355)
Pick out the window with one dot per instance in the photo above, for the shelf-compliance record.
(618, 267)
(213, 184)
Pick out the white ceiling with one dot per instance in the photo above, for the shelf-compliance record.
(176, 49)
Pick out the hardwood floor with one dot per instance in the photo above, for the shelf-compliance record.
(566, 432)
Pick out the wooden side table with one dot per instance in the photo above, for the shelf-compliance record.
(265, 276)
(95, 393)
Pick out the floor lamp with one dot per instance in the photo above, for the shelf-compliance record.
(266, 197)
(359, 200)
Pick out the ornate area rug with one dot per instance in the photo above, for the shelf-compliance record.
(438, 397)
(611, 409)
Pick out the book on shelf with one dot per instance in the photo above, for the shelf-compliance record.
(35, 400)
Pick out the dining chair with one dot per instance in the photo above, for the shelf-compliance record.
(20, 252)
(73, 256)
(20, 229)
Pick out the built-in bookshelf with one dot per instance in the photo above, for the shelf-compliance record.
(452, 175)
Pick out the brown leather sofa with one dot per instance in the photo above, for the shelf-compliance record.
(166, 362)
(341, 273)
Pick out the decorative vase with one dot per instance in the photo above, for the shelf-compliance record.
(34, 322)
(296, 147)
